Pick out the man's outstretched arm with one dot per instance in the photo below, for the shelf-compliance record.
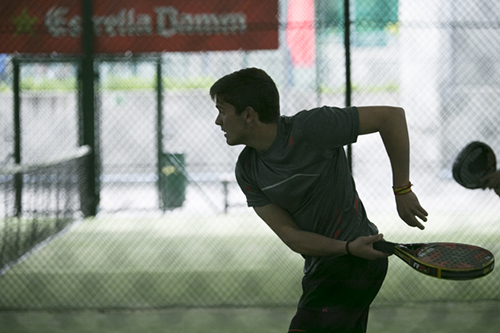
(390, 122)
(309, 243)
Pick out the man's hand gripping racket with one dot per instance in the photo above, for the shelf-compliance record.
(451, 261)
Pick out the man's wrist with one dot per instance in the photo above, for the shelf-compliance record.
(347, 248)
(403, 189)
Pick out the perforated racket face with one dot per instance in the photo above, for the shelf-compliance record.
(454, 256)
(474, 162)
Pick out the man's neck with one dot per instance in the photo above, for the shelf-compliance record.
(264, 137)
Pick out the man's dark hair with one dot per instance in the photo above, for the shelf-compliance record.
(249, 87)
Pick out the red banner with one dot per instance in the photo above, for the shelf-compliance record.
(300, 32)
(139, 26)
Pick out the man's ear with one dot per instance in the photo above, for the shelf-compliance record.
(251, 115)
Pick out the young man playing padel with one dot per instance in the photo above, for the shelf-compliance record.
(295, 175)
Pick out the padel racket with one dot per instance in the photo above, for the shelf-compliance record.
(451, 261)
(474, 161)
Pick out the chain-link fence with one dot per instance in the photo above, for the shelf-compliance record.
(172, 227)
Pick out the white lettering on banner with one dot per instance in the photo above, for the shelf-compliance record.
(169, 22)
(55, 21)
(126, 22)
(75, 26)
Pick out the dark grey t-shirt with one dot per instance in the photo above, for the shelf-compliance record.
(305, 171)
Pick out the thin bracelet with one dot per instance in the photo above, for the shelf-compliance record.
(347, 248)
(402, 190)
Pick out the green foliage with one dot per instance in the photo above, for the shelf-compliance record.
(4, 87)
(143, 83)
(114, 83)
(169, 84)
(382, 88)
(46, 84)
(128, 83)
(189, 83)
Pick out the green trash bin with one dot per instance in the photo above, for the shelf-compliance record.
(173, 180)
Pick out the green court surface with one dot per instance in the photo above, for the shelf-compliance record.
(172, 274)
(480, 317)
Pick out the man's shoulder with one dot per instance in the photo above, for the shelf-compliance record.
(320, 111)
(325, 115)
(245, 155)
(289, 121)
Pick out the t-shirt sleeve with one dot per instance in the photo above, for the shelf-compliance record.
(255, 197)
(330, 126)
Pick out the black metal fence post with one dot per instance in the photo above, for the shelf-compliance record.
(18, 178)
(87, 78)
(347, 46)
(159, 130)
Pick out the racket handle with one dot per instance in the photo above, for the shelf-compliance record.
(383, 246)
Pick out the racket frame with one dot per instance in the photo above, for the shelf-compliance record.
(406, 252)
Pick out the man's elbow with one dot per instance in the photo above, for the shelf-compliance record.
(399, 112)
(295, 247)
(394, 112)
(293, 242)
(394, 116)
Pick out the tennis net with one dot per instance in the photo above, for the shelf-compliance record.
(38, 203)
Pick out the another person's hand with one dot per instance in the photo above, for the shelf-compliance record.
(409, 209)
(492, 181)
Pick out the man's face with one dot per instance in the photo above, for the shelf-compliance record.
(233, 125)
